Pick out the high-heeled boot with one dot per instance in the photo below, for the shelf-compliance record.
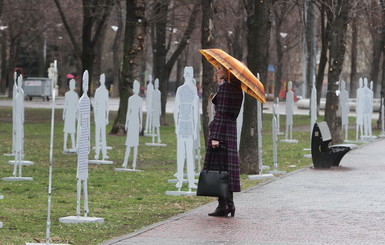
(230, 204)
(222, 209)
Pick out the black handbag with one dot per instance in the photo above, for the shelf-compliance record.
(213, 183)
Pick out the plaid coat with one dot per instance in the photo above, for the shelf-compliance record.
(227, 101)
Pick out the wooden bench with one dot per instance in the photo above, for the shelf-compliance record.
(323, 154)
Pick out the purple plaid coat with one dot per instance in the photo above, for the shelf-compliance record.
(228, 102)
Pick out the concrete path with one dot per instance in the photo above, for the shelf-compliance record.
(341, 205)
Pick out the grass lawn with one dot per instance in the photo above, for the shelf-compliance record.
(127, 201)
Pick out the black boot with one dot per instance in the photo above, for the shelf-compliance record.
(230, 203)
(222, 210)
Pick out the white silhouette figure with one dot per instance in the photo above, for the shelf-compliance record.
(156, 111)
(70, 114)
(344, 107)
(19, 128)
(197, 140)
(101, 118)
(289, 111)
(53, 74)
(14, 94)
(185, 112)
(133, 124)
(240, 123)
(83, 146)
(150, 90)
(367, 109)
(359, 110)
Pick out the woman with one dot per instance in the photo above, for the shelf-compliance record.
(221, 152)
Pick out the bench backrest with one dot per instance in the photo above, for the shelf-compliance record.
(325, 132)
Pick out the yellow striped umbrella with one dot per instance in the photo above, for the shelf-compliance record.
(249, 83)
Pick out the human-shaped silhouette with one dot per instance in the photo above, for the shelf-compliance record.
(150, 90)
(101, 118)
(344, 108)
(83, 146)
(19, 128)
(289, 111)
(156, 111)
(185, 112)
(359, 110)
(133, 124)
(53, 74)
(197, 140)
(367, 108)
(14, 94)
(70, 114)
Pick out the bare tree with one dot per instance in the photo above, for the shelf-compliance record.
(337, 16)
(258, 25)
(161, 65)
(284, 35)
(207, 41)
(134, 37)
(95, 14)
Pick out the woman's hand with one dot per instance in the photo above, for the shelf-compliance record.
(214, 143)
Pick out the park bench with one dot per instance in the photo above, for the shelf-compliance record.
(323, 154)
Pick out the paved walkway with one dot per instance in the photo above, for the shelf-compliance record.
(341, 205)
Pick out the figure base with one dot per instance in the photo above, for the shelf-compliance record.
(307, 156)
(264, 167)
(100, 162)
(46, 243)
(289, 141)
(1, 224)
(9, 155)
(185, 175)
(80, 219)
(181, 193)
(1, 197)
(22, 163)
(369, 137)
(353, 141)
(17, 178)
(149, 135)
(155, 144)
(380, 136)
(69, 151)
(276, 172)
(185, 181)
(260, 176)
(128, 170)
(108, 148)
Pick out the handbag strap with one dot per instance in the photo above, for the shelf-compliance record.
(220, 148)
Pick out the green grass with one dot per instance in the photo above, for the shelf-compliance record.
(127, 201)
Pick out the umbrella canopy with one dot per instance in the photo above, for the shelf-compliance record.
(249, 83)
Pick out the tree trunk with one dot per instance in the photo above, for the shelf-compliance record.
(325, 33)
(117, 56)
(278, 73)
(4, 61)
(163, 66)
(353, 66)
(310, 31)
(381, 117)
(339, 20)
(207, 41)
(135, 31)
(258, 26)
(159, 49)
